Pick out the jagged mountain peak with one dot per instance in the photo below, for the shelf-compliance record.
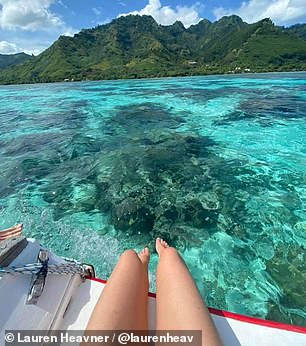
(137, 46)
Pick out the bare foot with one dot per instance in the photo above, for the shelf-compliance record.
(160, 245)
(144, 255)
(10, 232)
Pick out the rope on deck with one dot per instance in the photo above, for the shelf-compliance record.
(66, 268)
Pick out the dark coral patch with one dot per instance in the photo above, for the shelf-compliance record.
(267, 109)
(151, 179)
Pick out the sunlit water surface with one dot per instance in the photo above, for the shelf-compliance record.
(215, 165)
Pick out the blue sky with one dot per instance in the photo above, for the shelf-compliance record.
(32, 25)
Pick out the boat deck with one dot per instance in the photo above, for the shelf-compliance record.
(66, 304)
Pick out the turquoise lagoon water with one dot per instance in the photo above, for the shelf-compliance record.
(215, 165)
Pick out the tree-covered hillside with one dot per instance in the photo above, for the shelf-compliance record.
(7, 60)
(137, 47)
(299, 30)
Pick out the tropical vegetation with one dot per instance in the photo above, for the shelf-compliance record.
(138, 47)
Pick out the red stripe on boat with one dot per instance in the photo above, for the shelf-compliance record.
(258, 321)
(238, 317)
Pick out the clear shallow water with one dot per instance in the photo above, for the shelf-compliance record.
(215, 165)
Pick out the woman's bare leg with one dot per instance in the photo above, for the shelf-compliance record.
(179, 305)
(123, 302)
(11, 232)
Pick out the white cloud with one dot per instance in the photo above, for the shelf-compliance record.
(29, 15)
(13, 48)
(62, 4)
(68, 31)
(8, 48)
(96, 11)
(282, 12)
(30, 26)
(167, 15)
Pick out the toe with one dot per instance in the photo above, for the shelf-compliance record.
(160, 245)
(144, 255)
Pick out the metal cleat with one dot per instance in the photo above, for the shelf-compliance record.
(89, 270)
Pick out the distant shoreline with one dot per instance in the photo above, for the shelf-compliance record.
(237, 75)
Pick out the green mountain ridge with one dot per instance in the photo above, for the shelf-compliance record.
(8, 60)
(299, 30)
(138, 47)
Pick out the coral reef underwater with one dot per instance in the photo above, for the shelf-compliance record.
(215, 168)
